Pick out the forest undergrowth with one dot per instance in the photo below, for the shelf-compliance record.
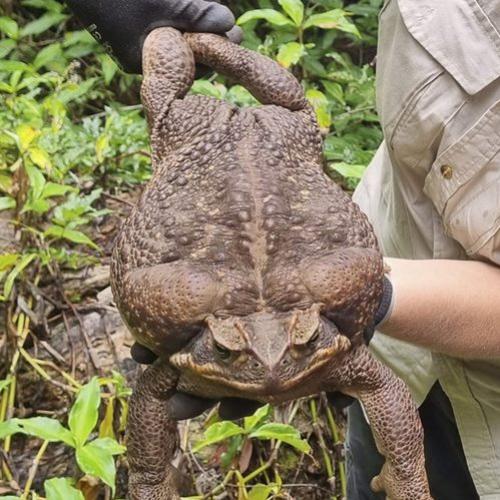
(74, 155)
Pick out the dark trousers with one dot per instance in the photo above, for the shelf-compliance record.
(449, 477)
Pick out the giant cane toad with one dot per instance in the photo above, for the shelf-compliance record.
(245, 268)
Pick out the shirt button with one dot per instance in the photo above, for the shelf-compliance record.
(447, 171)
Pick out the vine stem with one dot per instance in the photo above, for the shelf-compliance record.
(33, 470)
(336, 442)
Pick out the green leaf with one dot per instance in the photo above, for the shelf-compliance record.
(282, 432)
(40, 158)
(26, 135)
(6, 203)
(71, 235)
(250, 423)
(47, 55)
(218, 432)
(295, 9)
(97, 462)
(110, 445)
(335, 90)
(8, 428)
(6, 46)
(37, 181)
(101, 145)
(52, 189)
(350, 171)
(11, 66)
(45, 428)
(270, 15)
(290, 53)
(108, 66)
(9, 27)
(320, 103)
(333, 19)
(262, 491)
(84, 413)
(42, 24)
(61, 488)
(204, 87)
(20, 266)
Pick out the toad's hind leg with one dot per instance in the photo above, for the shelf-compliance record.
(395, 423)
(152, 436)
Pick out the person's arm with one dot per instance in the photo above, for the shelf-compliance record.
(448, 306)
(122, 25)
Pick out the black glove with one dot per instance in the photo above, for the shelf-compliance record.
(122, 25)
(382, 311)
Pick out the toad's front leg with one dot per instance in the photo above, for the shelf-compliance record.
(395, 423)
(152, 436)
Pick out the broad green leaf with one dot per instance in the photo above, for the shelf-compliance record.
(295, 9)
(333, 19)
(252, 421)
(8, 428)
(26, 135)
(335, 90)
(47, 55)
(71, 235)
(7, 260)
(10, 66)
(42, 24)
(111, 446)
(84, 413)
(270, 15)
(45, 428)
(6, 47)
(40, 158)
(109, 67)
(97, 462)
(38, 206)
(19, 268)
(6, 203)
(320, 103)
(51, 189)
(101, 145)
(49, 5)
(9, 497)
(9, 27)
(218, 432)
(73, 90)
(282, 432)
(204, 87)
(347, 170)
(262, 491)
(290, 53)
(61, 488)
(37, 181)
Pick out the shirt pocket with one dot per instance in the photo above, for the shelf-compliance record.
(432, 57)
(464, 185)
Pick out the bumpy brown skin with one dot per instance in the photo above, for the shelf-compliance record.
(245, 268)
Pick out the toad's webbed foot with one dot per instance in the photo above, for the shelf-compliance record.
(394, 420)
(152, 436)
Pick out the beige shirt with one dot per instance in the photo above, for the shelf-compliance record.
(433, 189)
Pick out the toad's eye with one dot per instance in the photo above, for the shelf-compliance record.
(222, 352)
(314, 337)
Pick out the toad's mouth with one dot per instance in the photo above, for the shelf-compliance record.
(272, 383)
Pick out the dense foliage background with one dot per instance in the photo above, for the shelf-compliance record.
(73, 155)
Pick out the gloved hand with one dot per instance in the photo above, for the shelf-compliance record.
(383, 311)
(122, 25)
